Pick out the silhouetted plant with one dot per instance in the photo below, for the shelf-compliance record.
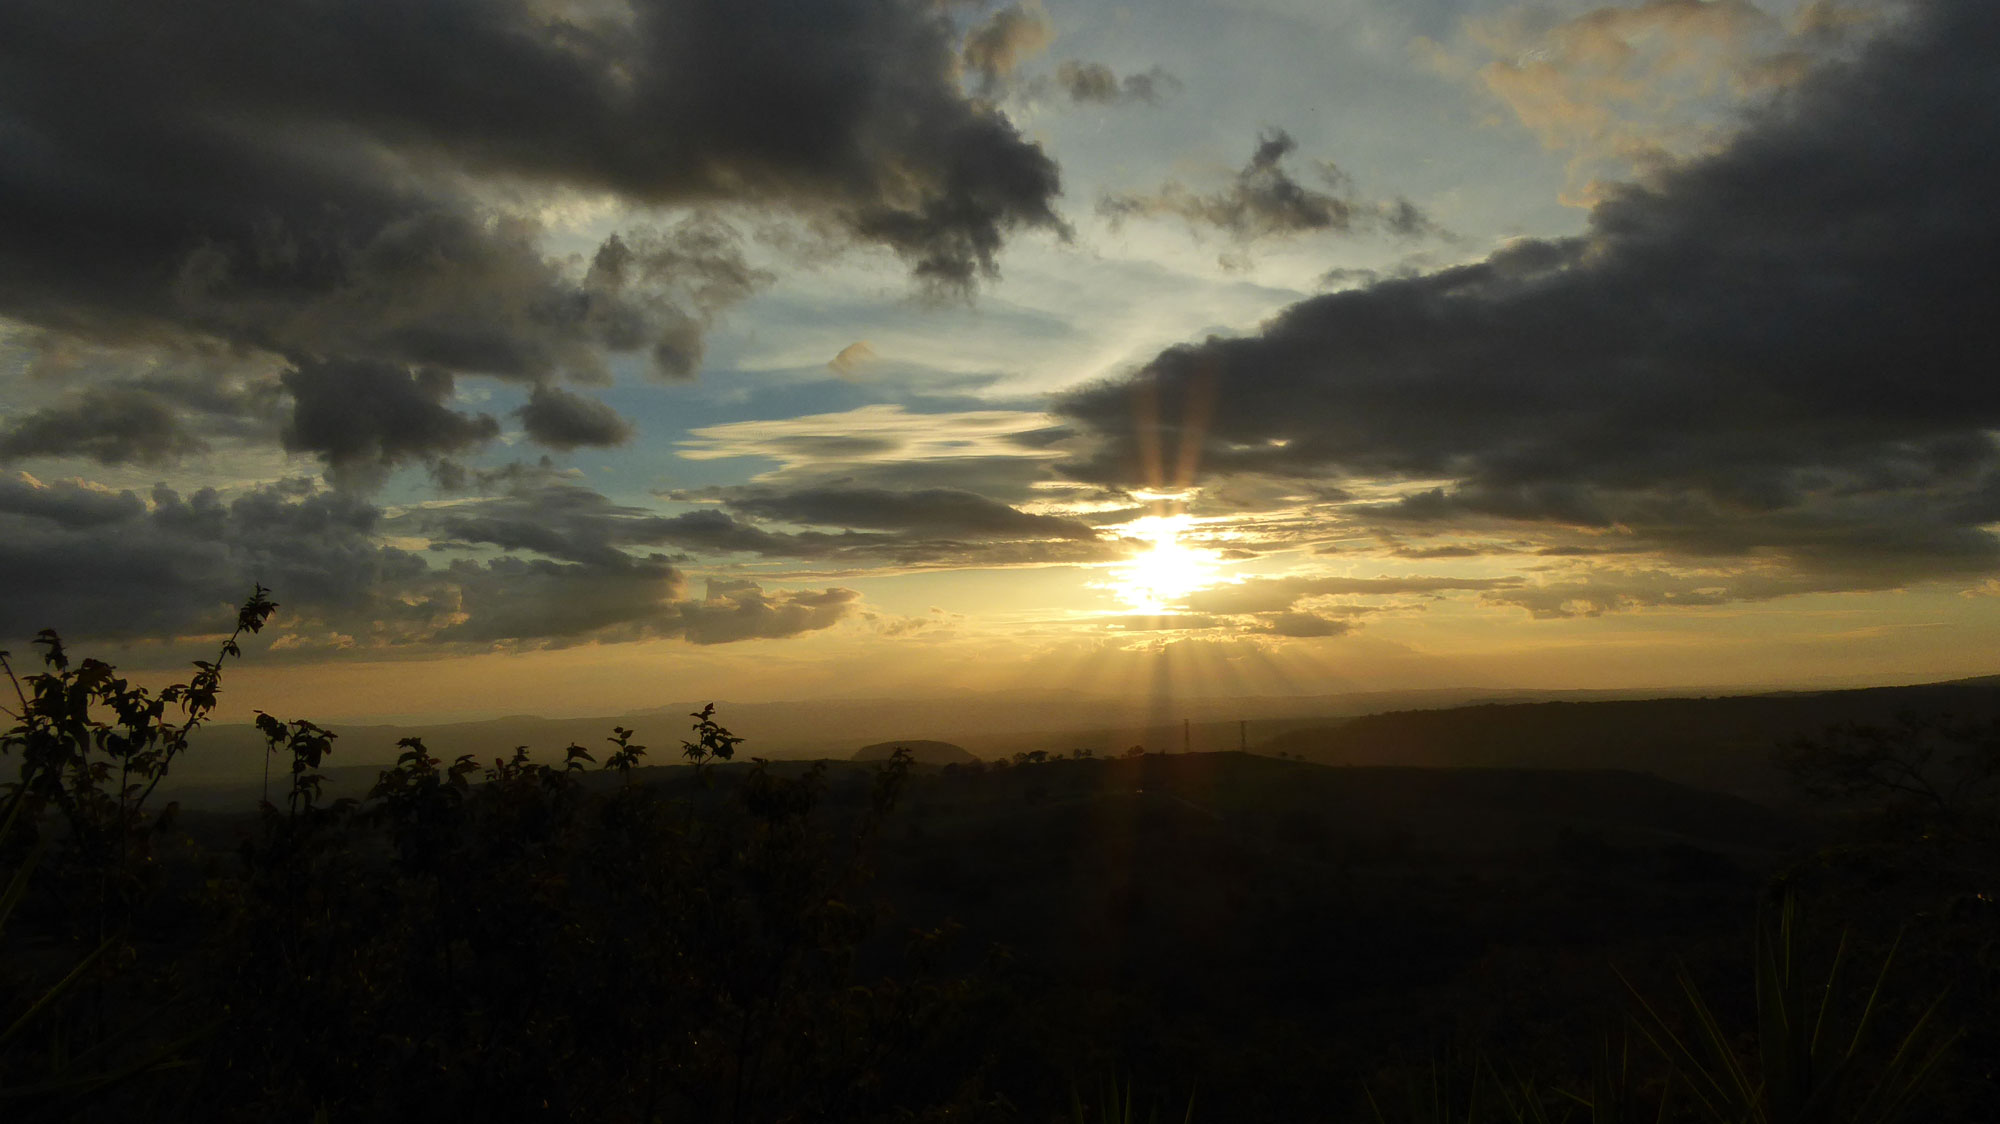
(1618, 1093)
(57, 1078)
(91, 750)
(586, 940)
(94, 747)
(626, 755)
(1939, 773)
(308, 746)
(712, 742)
(465, 942)
(1470, 1091)
(1117, 1105)
(1805, 1069)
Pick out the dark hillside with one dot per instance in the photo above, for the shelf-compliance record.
(921, 751)
(1721, 744)
(1362, 904)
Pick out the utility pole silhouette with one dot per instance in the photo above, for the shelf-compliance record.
(1242, 736)
(1187, 736)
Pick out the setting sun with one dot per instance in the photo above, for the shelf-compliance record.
(1169, 570)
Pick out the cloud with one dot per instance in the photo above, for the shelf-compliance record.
(365, 417)
(561, 519)
(993, 49)
(1776, 357)
(122, 566)
(117, 566)
(560, 420)
(1000, 454)
(561, 604)
(130, 403)
(569, 522)
(1093, 83)
(1303, 625)
(1268, 595)
(1158, 622)
(852, 359)
(123, 425)
(68, 503)
(344, 189)
(934, 511)
(1264, 201)
(1451, 551)
(657, 290)
(535, 602)
(1610, 590)
(1627, 88)
(741, 610)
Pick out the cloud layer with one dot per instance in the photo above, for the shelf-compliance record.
(1774, 362)
(115, 565)
(355, 190)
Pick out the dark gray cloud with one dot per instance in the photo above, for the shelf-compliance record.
(1777, 357)
(934, 511)
(365, 416)
(741, 610)
(121, 566)
(120, 404)
(503, 601)
(717, 533)
(511, 601)
(570, 522)
(558, 518)
(656, 290)
(67, 503)
(1265, 201)
(1093, 83)
(110, 425)
(831, 446)
(353, 185)
(117, 566)
(561, 420)
(1005, 479)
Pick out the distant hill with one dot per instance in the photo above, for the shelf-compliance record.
(999, 724)
(923, 752)
(1720, 744)
(988, 723)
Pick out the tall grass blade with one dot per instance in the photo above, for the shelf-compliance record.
(54, 993)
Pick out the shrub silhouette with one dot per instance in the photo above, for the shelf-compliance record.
(471, 941)
(583, 939)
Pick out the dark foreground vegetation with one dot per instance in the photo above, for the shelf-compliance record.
(1217, 937)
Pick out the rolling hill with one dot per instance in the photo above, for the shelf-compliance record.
(1721, 744)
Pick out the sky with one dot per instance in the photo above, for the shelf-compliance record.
(571, 356)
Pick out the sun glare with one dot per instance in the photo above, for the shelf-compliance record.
(1155, 580)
